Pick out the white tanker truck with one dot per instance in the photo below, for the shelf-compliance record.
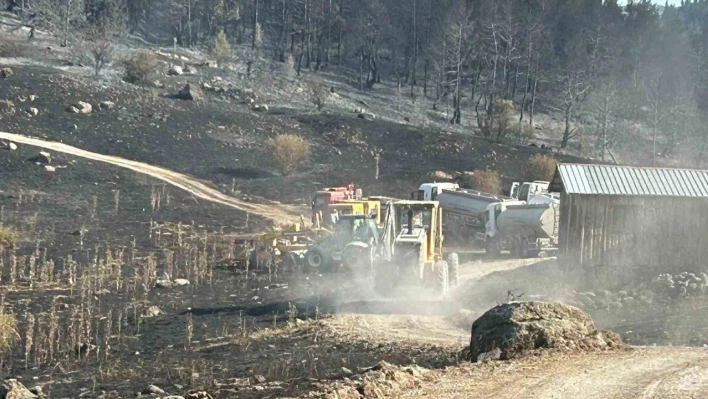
(522, 229)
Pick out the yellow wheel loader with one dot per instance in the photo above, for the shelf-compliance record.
(411, 249)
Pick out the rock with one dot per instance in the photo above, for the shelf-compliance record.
(37, 390)
(81, 107)
(103, 291)
(13, 389)
(259, 379)
(8, 146)
(106, 105)
(517, 328)
(43, 157)
(199, 395)
(32, 111)
(207, 86)
(260, 108)
(32, 97)
(155, 389)
(50, 168)
(7, 106)
(494, 354)
(163, 283)
(190, 92)
(180, 282)
(153, 311)
(440, 175)
(175, 70)
(190, 70)
(158, 84)
(6, 72)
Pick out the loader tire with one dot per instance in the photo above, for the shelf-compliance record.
(453, 261)
(442, 282)
(316, 260)
(385, 278)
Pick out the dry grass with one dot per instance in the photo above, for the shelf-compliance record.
(542, 167)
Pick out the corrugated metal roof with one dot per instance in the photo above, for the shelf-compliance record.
(629, 180)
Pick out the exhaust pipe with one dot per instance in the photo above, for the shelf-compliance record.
(410, 221)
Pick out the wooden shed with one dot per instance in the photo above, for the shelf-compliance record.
(618, 221)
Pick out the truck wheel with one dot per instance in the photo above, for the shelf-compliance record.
(524, 248)
(453, 261)
(441, 278)
(316, 260)
(491, 248)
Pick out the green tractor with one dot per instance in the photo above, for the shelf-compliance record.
(353, 245)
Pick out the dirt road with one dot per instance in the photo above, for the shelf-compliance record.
(637, 373)
(275, 211)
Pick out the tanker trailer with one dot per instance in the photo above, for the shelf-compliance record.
(464, 212)
(524, 230)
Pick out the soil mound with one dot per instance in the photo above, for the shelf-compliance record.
(517, 328)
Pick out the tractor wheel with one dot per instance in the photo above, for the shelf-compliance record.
(453, 261)
(441, 278)
(316, 260)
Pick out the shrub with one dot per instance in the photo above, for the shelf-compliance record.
(487, 181)
(222, 48)
(99, 49)
(317, 92)
(523, 133)
(542, 167)
(288, 152)
(140, 67)
(8, 238)
(498, 122)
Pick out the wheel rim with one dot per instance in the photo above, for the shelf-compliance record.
(315, 260)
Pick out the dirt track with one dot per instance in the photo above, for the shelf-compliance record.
(637, 373)
(275, 211)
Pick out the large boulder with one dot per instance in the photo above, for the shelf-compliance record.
(13, 389)
(513, 329)
(6, 72)
(190, 92)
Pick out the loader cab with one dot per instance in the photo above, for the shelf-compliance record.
(430, 191)
(419, 223)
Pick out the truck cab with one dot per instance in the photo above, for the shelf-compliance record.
(430, 191)
(324, 198)
(526, 191)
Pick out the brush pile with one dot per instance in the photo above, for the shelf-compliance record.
(514, 329)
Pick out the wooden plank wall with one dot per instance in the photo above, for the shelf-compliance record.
(623, 235)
